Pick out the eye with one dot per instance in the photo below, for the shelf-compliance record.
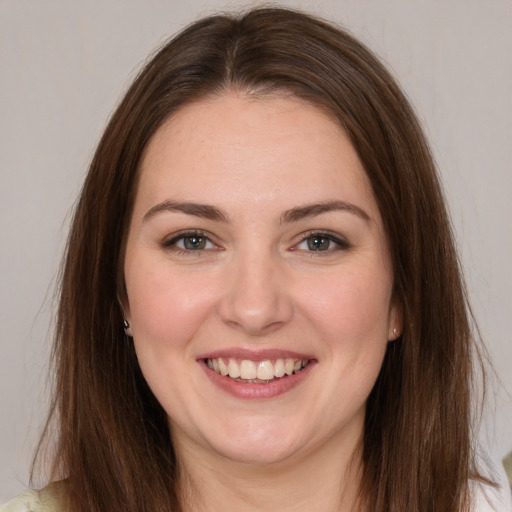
(321, 242)
(194, 241)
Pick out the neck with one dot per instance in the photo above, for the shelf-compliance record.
(324, 480)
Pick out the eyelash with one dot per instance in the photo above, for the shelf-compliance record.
(171, 244)
(340, 242)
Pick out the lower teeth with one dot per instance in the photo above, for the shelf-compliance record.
(253, 381)
(259, 381)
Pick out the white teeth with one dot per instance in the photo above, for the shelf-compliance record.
(265, 371)
(233, 369)
(248, 369)
(256, 372)
(222, 367)
(279, 368)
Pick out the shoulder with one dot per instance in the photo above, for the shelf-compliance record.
(48, 499)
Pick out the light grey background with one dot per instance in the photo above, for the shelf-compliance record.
(63, 67)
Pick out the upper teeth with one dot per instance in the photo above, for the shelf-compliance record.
(262, 370)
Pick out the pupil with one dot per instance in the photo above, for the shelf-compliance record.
(318, 243)
(194, 242)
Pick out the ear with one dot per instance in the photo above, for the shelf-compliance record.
(127, 317)
(396, 319)
(128, 328)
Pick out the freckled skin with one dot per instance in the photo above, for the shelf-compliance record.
(257, 285)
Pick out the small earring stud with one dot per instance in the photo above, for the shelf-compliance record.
(126, 325)
(395, 332)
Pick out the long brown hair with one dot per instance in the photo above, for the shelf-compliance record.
(113, 443)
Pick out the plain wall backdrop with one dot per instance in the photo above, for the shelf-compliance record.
(63, 68)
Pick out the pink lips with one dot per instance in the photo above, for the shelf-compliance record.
(256, 391)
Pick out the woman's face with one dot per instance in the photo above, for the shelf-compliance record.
(256, 248)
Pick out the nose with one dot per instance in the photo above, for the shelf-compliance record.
(255, 299)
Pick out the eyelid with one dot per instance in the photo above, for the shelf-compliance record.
(338, 239)
(170, 241)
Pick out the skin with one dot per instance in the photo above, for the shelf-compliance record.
(257, 285)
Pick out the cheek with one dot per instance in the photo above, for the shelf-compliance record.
(351, 315)
(351, 306)
(165, 307)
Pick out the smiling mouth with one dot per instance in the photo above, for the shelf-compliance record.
(256, 372)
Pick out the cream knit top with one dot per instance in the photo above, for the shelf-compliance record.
(48, 499)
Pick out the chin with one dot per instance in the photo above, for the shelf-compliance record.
(255, 454)
(256, 442)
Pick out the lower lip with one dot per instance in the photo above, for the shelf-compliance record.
(257, 391)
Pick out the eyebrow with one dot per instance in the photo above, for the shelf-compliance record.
(207, 211)
(204, 211)
(312, 210)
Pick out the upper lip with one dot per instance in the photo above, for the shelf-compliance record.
(255, 355)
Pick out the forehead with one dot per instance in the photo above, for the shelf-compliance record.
(251, 147)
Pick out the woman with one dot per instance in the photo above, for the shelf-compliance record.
(261, 305)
